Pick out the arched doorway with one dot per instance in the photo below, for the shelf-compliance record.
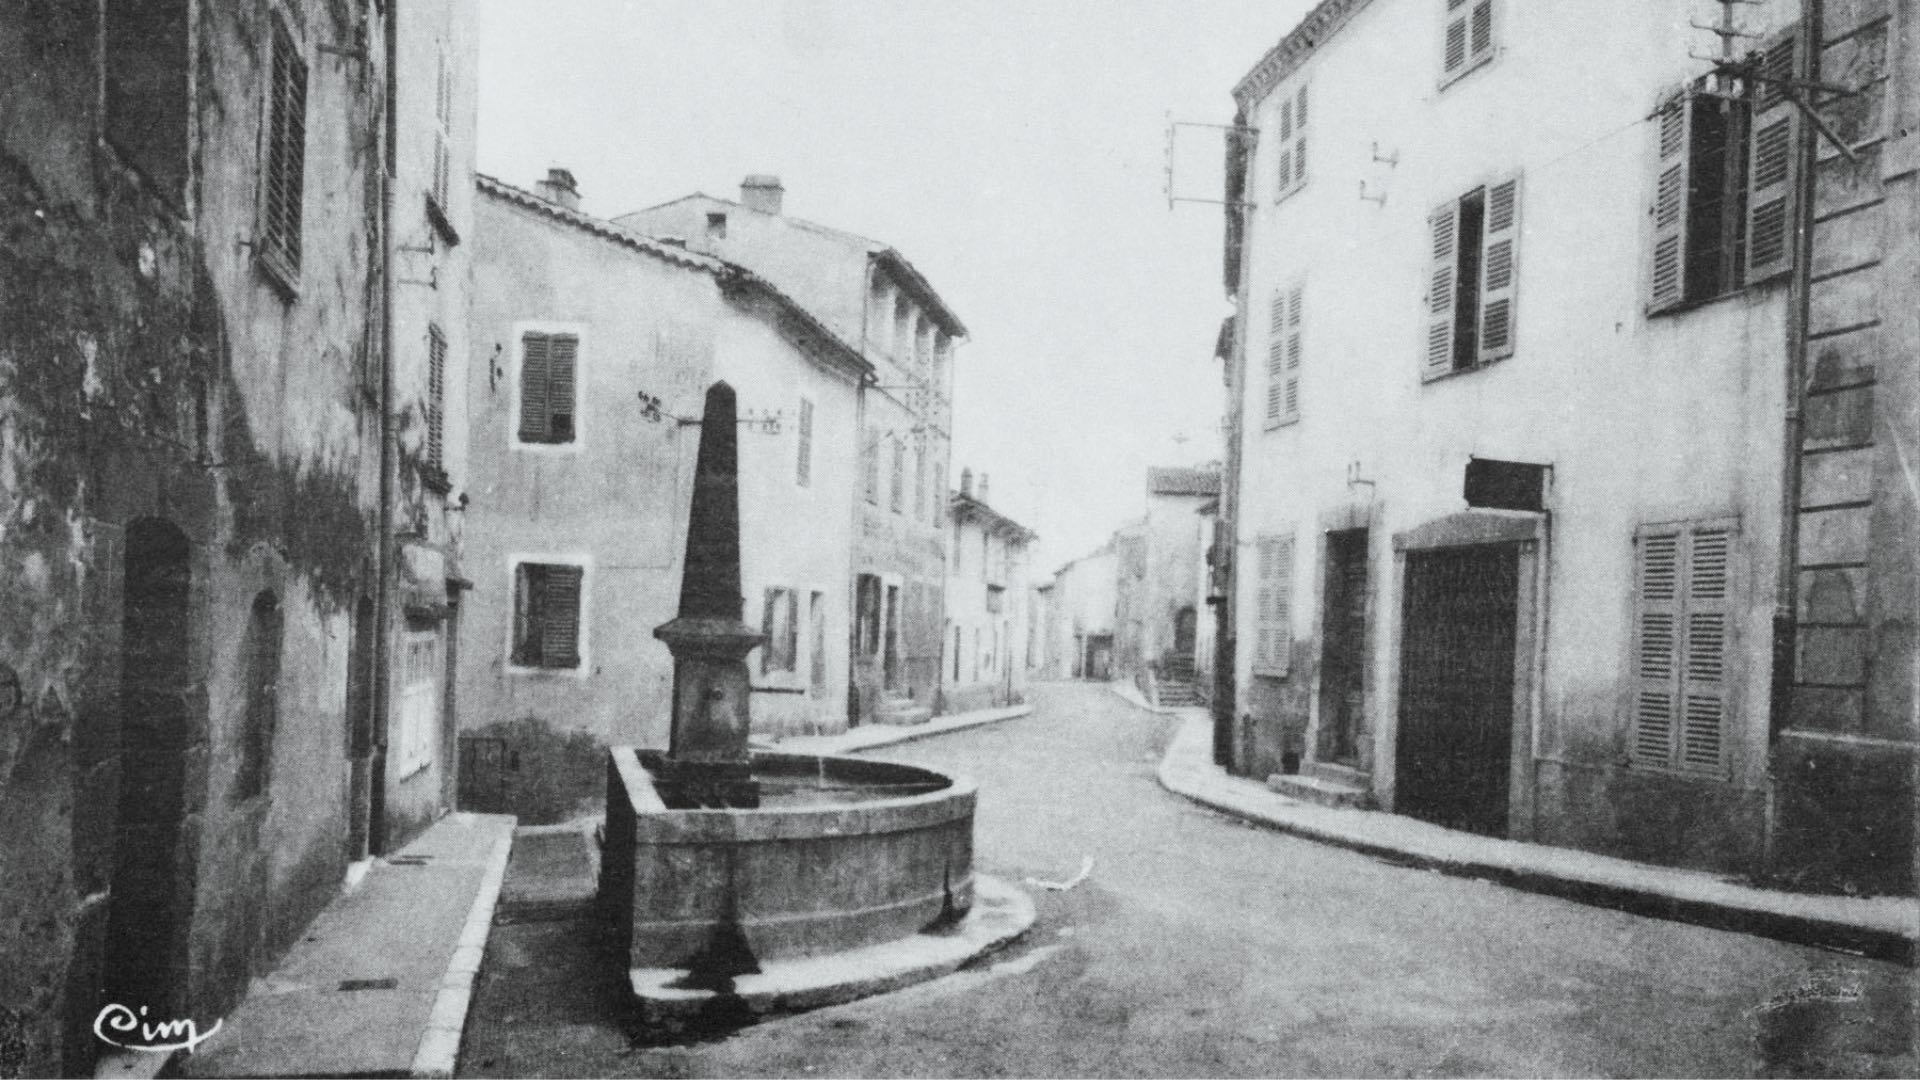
(150, 897)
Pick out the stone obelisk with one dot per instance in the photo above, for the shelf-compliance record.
(707, 762)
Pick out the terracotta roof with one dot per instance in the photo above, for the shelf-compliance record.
(968, 508)
(1204, 480)
(601, 227)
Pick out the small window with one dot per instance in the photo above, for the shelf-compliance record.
(1284, 346)
(284, 181)
(546, 615)
(716, 226)
(436, 400)
(1290, 167)
(803, 466)
(1685, 593)
(547, 375)
(1471, 279)
(262, 717)
(780, 622)
(1273, 607)
(1468, 39)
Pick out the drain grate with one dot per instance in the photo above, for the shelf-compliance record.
(369, 984)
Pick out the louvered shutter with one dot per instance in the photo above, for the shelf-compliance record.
(1499, 270)
(1277, 359)
(1283, 171)
(1281, 661)
(1453, 58)
(436, 397)
(524, 618)
(1656, 666)
(1772, 162)
(1443, 224)
(1300, 143)
(535, 349)
(1480, 37)
(1704, 651)
(442, 114)
(1667, 277)
(1295, 303)
(804, 468)
(560, 388)
(560, 617)
(1263, 650)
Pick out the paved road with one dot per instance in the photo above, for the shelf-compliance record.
(1200, 946)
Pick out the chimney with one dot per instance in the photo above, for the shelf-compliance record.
(966, 483)
(761, 192)
(983, 487)
(560, 188)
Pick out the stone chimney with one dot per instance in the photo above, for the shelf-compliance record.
(983, 487)
(559, 187)
(966, 483)
(761, 192)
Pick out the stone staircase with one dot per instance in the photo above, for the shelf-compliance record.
(1325, 784)
(1174, 687)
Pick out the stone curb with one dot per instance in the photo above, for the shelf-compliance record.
(440, 1044)
(1001, 914)
(1863, 938)
(940, 725)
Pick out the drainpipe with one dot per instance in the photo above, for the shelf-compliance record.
(383, 561)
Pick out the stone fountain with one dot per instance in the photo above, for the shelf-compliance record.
(775, 880)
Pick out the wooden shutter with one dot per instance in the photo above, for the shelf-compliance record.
(286, 153)
(1295, 304)
(1300, 141)
(534, 352)
(1480, 32)
(1705, 654)
(1667, 277)
(1773, 161)
(560, 388)
(1656, 632)
(436, 397)
(1453, 58)
(442, 115)
(524, 639)
(1277, 359)
(1283, 173)
(804, 469)
(1499, 270)
(560, 616)
(1443, 224)
(1273, 606)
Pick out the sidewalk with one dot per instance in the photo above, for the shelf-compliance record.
(378, 985)
(1883, 928)
(868, 736)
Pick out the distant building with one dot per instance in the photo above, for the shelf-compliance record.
(594, 346)
(987, 624)
(1084, 601)
(1506, 525)
(1173, 600)
(865, 292)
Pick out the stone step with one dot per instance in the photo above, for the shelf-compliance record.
(1320, 792)
(901, 712)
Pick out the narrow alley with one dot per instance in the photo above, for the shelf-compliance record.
(1198, 945)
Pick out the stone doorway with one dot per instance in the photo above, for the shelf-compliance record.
(150, 899)
(1343, 650)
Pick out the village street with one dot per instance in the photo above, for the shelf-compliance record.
(1199, 945)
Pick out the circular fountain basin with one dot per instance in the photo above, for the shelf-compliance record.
(842, 853)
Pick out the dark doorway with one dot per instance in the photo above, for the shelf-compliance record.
(1186, 626)
(890, 661)
(1343, 650)
(359, 729)
(148, 905)
(1456, 687)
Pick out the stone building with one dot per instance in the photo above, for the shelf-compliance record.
(1082, 616)
(593, 347)
(193, 367)
(986, 604)
(866, 293)
(1508, 552)
(1172, 604)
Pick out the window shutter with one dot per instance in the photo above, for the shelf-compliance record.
(1443, 224)
(560, 617)
(523, 616)
(1454, 49)
(1263, 649)
(1300, 144)
(1656, 668)
(1480, 41)
(804, 469)
(1277, 359)
(1668, 277)
(1281, 661)
(436, 396)
(1295, 303)
(442, 113)
(1773, 161)
(286, 153)
(1705, 650)
(560, 382)
(533, 387)
(1499, 270)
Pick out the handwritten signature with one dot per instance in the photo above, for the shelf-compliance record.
(142, 1034)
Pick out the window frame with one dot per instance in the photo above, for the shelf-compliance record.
(583, 566)
(785, 659)
(279, 230)
(1472, 59)
(418, 726)
(1682, 610)
(1290, 136)
(551, 330)
(1495, 277)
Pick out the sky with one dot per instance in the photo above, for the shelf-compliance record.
(1017, 153)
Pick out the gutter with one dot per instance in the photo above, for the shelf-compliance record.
(383, 563)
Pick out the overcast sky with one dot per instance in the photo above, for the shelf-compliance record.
(1015, 152)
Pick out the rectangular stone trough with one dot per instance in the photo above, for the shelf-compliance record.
(842, 853)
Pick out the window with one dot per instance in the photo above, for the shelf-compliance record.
(803, 467)
(899, 488)
(443, 134)
(419, 701)
(817, 628)
(1290, 169)
(262, 665)
(867, 601)
(1470, 293)
(283, 187)
(872, 462)
(546, 615)
(716, 226)
(1683, 605)
(436, 400)
(547, 364)
(1724, 167)
(1468, 41)
(1273, 607)
(780, 622)
(1283, 356)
